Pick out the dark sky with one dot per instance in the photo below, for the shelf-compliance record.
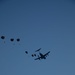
(46, 24)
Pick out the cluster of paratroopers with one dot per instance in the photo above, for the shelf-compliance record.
(18, 40)
(34, 54)
(39, 56)
(11, 39)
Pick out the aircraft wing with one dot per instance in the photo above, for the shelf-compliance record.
(46, 53)
(38, 58)
(38, 50)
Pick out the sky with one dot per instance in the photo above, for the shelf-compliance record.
(45, 24)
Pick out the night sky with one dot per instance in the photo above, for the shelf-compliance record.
(45, 24)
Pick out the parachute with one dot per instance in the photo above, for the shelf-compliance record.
(18, 40)
(2, 37)
(12, 39)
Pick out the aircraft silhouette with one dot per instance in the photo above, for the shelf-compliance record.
(42, 56)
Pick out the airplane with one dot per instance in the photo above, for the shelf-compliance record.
(42, 56)
(38, 50)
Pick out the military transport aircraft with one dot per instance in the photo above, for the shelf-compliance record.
(42, 56)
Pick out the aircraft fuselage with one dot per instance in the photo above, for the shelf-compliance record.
(42, 56)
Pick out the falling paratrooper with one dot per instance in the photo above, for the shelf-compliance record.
(33, 55)
(26, 52)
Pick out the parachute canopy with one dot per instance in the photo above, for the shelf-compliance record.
(11, 39)
(18, 39)
(2, 37)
